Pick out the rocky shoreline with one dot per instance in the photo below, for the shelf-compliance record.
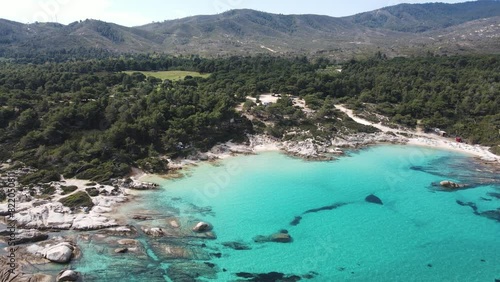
(39, 217)
(42, 212)
(35, 215)
(308, 148)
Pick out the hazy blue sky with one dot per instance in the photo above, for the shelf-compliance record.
(132, 13)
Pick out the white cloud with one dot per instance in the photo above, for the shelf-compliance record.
(67, 11)
(100, 10)
(18, 10)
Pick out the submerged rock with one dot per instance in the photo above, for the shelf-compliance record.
(211, 265)
(326, 208)
(236, 246)
(281, 238)
(494, 214)
(472, 205)
(373, 199)
(271, 276)
(310, 275)
(276, 238)
(176, 251)
(67, 275)
(202, 227)
(494, 195)
(174, 223)
(296, 221)
(191, 271)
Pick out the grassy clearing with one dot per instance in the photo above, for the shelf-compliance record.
(171, 75)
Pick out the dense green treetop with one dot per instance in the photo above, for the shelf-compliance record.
(86, 118)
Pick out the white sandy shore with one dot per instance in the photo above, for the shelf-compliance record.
(428, 140)
(475, 150)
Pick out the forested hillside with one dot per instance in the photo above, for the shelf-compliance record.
(400, 30)
(458, 94)
(90, 120)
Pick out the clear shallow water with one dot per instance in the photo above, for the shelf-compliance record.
(417, 235)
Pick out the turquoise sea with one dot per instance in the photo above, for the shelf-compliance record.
(419, 233)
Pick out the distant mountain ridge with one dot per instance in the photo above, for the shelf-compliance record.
(425, 17)
(405, 29)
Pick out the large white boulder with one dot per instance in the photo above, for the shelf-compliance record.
(60, 253)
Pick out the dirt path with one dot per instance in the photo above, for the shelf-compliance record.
(359, 120)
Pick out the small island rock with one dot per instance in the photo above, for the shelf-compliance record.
(281, 238)
(67, 275)
(121, 250)
(450, 184)
(202, 227)
(154, 232)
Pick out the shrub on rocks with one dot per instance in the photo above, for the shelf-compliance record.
(42, 176)
(92, 191)
(77, 200)
(68, 189)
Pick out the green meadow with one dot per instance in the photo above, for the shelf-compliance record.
(171, 75)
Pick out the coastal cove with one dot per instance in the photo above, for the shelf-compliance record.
(243, 145)
(418, 232)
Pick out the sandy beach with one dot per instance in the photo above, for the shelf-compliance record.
(427, 139)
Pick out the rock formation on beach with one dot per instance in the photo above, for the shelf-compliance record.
(61, 252)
